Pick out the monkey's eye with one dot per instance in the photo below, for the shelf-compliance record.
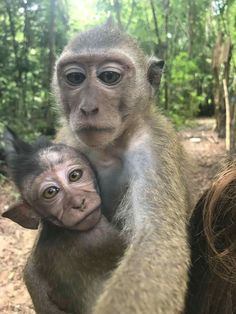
(75, 175)
(75, 78)
(110, 77)
(50, 192)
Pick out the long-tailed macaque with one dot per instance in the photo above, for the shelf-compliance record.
(105, 87)
(212, 288)
(77, 247)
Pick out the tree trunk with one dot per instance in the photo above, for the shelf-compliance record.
(166, 77)
(159, 42)
(221, 69)
(219, 105)
(51, 38)
(117, 9)
(228, 118)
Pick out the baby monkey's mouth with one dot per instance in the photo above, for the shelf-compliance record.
(89, 221)
(86, 223)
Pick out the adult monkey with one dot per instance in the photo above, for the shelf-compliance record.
(105, 86)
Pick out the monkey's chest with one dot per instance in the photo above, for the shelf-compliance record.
(70, 292)
(73, 284)
(113, 184)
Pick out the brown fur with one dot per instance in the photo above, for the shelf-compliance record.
(141, 168)
(72, 267)
(77, 247)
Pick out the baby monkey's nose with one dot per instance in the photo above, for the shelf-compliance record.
(79, 205)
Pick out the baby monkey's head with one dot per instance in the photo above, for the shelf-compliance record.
(56, 183)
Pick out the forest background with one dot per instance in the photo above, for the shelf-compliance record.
(195, 38)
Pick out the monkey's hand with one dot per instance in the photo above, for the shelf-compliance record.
(38, 290)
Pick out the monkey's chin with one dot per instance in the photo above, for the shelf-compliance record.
(93, 137)
(89, 222)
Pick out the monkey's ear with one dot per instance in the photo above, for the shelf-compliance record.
(23, 214)
(13, 145)
(155, 70)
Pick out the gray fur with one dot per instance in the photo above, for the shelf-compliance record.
(142, 172)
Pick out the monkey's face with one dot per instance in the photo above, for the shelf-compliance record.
(95, 92)
(66, 195)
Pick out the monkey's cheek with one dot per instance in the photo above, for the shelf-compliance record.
(90, 221)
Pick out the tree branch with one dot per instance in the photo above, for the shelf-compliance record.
(131, 15)
(155, 22)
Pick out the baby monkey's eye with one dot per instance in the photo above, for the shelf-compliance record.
(50, 192)
(75, 175)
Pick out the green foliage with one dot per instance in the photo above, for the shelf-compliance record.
(184, 76)
(26, 62)
(182, 32)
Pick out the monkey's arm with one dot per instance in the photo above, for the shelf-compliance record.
(38, 290)
(152, 277)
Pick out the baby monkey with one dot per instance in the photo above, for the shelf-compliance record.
(56, 183)
(77, 247)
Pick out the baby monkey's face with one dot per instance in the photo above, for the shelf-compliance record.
(65, 193)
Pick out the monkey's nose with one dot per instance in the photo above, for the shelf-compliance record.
(81, 206)
(88, 111)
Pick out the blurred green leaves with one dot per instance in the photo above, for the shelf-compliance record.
(34, 32)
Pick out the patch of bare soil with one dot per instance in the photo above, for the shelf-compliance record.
(206, 150)
(15, 245)
(15, 242)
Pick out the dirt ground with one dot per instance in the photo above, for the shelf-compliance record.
(15, 242)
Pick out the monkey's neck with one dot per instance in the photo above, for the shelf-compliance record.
(116, 149)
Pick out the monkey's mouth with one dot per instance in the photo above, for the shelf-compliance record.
(94, 136)
(89, 221)
(85, 224)
(91, 129)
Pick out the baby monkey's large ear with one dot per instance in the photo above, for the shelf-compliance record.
(22, 213)
(155, 70)
(13, 144)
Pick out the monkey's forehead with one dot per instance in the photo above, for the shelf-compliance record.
(50, 171)
(50, 157)
(50, 162)
(100, 36)
(104, 38)
(94, 56)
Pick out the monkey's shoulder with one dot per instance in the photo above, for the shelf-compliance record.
(155, 137)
